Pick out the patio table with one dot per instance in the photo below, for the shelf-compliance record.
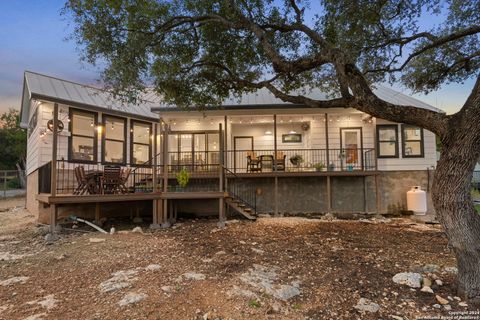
(93, 184)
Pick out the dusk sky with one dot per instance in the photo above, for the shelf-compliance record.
(32, 37)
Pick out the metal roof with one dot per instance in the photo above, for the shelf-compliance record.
(264, 99)
(39, 86)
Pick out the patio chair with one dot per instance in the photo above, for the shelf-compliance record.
(280, 161)
(254, 164)
(82, 181)
(111, 180)
(124, 175)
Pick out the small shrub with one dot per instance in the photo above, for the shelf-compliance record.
(14, 184)
(183, 177)
(254, 304)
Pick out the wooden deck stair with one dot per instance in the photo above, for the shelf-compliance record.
(240, 207)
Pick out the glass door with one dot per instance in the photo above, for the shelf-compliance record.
(351, 145)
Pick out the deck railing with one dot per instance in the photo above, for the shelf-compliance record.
(240, 188)
(139, 179)
(203, 167)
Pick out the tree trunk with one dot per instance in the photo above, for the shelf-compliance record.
(455, 210)
(451, 193)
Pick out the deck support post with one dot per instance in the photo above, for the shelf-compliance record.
(221, 213)
(53, 218)
(365, 206)
(53, 176)
(377, 194)
(97, 213)
(165, 222)
(155, 205)
(329, 195)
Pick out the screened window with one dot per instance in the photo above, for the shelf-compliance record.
(83, 139)
(141, 146)
(412, 138)
(114, 137)
(387, 141)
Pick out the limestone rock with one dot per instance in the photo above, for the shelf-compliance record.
(426, 289)
(410, 279)
(441, 300)
(427, 282)
(193, 276)
(453, 270)
(96, 240)
(153, 267)
(119, 280)
(365, 305)
(13, 280)
(132, 298)
(137, 230)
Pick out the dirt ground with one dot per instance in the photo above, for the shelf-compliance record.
(274, 268)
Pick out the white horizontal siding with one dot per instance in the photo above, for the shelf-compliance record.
(400, 163)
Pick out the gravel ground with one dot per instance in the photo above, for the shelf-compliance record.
(275, 268)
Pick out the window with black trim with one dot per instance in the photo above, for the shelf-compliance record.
(387, 141)
(412, 142)
(83, 138)
(114, 140)
(140, 142)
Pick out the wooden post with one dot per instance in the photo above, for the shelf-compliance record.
(377, 194)
(329, 195)
(326, 141)
(275, 164)
(221, 160)
(165, 222)
(225, 151)
(5, 184)
(154, 173)
(53, 174)
(97, 213)
(221, 212)
(365, 194)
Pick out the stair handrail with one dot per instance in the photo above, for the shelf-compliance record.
(232, 190)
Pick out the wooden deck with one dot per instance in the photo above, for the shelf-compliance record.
(101, 198)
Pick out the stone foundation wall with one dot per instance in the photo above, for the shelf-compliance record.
(309, 194)
(296, 196)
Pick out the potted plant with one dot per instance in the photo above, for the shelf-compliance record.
(319, 166)
(331, 167)
(182, 178)
(296, 160)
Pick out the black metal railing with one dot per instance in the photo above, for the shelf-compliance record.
(301, 160)
(241, 189)
(196, 178)
(140, 178)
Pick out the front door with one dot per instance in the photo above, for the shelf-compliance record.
(241, 147)
(351, 148)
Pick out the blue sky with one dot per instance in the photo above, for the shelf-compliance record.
(32, 37)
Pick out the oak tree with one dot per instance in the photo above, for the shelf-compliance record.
(197, 52)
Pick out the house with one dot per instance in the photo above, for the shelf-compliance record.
(252, 154)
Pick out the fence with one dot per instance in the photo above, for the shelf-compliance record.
(12, 182)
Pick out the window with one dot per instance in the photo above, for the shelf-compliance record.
(387, 141)
(412, 146)
(83, 139)
(114, 137)
(140, 146)
(200, 148)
